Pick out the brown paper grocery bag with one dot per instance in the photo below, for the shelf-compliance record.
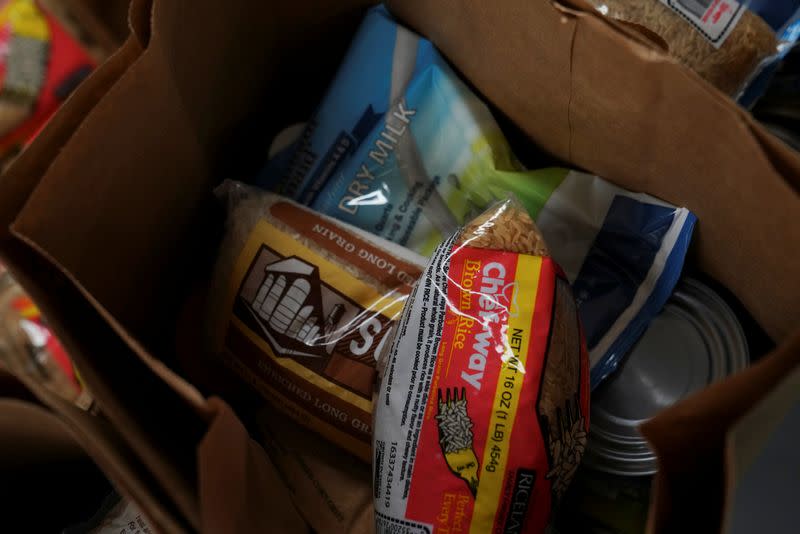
(761, 452)
(108, 218)
(41, 466)
(164, 423)
(588, 92)
(690, 439)
(105, 20)
(97, 27)
(331, 488)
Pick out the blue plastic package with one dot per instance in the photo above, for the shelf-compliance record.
(401, 148)
(783, 16)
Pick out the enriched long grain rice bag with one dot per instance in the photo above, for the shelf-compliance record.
(482, 410)
(300, 307)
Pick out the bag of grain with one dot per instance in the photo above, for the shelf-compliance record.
(482, 412)
(726, 42)
(301, 304)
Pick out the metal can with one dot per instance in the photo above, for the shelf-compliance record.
(695, 341)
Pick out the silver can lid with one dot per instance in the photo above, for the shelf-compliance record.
(694, 341)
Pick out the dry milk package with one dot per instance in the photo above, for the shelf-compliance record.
(399, 146)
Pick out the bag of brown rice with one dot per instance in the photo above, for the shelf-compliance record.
(482, 410)
(301, 306)
(725, 41)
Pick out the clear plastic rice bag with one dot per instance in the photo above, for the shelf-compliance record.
(728, 43)
(481, 416)
(300, 307)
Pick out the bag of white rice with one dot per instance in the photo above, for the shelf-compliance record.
(301, 306)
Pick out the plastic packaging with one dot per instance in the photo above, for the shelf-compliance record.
(399, 146)
(728, 43)
(300, 307)
(29, 350)
(481, 418)
(40, 65)
(622, 252)
(117, 515)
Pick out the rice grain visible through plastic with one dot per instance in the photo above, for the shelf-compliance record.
(508, 228)
(728, 67)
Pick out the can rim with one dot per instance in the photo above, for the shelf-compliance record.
(613, 450)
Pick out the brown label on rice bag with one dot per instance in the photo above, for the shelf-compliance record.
(305, 329)
(348, 247)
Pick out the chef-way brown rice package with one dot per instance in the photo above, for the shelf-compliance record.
(483, 408)
(301, 306)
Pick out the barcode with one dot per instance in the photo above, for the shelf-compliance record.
(378, 467)
(385, 524)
